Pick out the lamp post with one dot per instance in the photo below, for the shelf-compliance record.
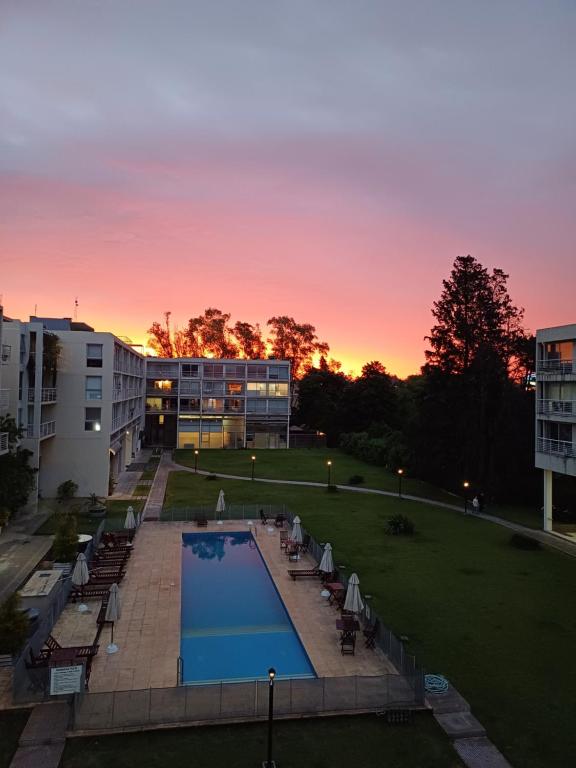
(329, 465)
(271, 675)
(400, 473)
(253, 460)
(466, 485)
(195, 461)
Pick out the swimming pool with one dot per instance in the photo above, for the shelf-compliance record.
(234, 625)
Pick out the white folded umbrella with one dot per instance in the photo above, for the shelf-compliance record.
(296, 531)
(221, 503)
(353, 602)
(327, 564)
(113, 614)
(130, 521)
(81, 577)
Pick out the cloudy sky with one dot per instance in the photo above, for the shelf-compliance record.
(325, 159)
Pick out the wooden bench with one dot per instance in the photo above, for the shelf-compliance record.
(304, 574)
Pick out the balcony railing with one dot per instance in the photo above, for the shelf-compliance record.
(560, 367)
(557, 407)
(121, 421)
(47, 429)
(3, 443)
(127, 392)
(47, 395)
(556, 447)
(4, 398)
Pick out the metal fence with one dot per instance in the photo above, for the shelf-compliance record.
(239, 701)
(32, 683)
(232, 512)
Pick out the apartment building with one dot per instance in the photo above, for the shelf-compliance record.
(78, 396)
(3, 392)
(212, 403)
(555, 408)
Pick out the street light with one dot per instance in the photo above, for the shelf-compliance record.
(400, 473)
(466, 485)
(329, 465)
(271, 675)
(195, 461)
(253, 460)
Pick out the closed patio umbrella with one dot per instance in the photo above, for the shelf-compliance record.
(130, 521)
(327, 564)
(81, 577)
(353, 602)
(221, 503)
(113, 614)
(296, 531)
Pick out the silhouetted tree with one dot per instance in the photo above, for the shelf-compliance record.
(296, 342)
(250, 343)
(160, 339)
(319, 402)
(210, 335)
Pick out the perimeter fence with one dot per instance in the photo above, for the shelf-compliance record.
(240, 701)
(232, 512)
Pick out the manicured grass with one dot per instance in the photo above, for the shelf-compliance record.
(141, 490)
(497, 621)
(115, 517)
(12, 722)
(310, 464)
(364, 741)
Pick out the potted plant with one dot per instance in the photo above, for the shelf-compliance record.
(13, 626)
(96, 507)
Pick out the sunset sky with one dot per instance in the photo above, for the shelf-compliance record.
(324, 159)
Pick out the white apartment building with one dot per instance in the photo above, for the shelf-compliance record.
(78, 395)
(214, 403)
(555, 408)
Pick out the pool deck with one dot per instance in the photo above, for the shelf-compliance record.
(148, 632)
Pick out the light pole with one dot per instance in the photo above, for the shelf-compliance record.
(466, 485)
(195, 461)
(400, 473)
(271, 675)
(253, 460)
(329, 465)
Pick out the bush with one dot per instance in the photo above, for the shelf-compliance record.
(13, 625)
(211, 477)
(400, 525)
(66, 490)
(332, 489)
(356, 480)
(65, 546)
(519, 541)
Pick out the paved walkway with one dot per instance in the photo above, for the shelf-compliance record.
(43, 738)
(155, 501)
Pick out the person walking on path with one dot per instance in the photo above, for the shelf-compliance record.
(475, 505)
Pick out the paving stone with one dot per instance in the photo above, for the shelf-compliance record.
(46, 756)
(47, 724)
(460, 724)
(480, 753)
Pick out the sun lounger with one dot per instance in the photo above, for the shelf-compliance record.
(304, 573)
(283, 539)
(89, 592)
(201, 521)
(51, 643)
(348, 642)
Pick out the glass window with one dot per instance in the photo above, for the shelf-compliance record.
(234, 388)
(257, 371)
(279, 389)
(233, 404)
(94, 355)
(190, 387)
(190, 370)
(92, 419)
(190, 404)
(255, 406)
(235, 371)
(213, 370)
(212, 404)
(93, 387)
(256, 389)
(278, 406)
(213, 388)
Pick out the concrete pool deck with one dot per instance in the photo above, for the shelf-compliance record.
(148, 632)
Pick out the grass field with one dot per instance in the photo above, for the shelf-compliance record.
(362, 742)
(12, 722)
(115, 517)
(497, 621)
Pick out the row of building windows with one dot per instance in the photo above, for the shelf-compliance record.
(254, 388)
(219, 404)
(220, 371)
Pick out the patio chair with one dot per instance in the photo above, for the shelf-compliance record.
(302, 573)
(263, 518)
(280, 520)
(51, 643)
(201, 521)
(283, 539)
(348, 642)
(305, 544)
(370, 635)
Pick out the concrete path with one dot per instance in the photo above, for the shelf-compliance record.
(19, 555)
(548, 539)
(44, 736)
(155, 501)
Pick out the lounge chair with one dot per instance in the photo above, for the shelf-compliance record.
(263, 518)
(302, 573)
(370, 635)
(283, 539)
(201, 521)
(89, 592)
(279, 521)
(51, 643)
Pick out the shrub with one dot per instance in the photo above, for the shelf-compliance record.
(520, 541)
(356, 480)
(65, 546)
(66, 490)
(332, 489)
(211, 477)
(400, 525)
(13, 625)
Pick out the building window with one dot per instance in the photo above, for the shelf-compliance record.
(257, 371)
(94, 355)
(213, 388)
(278, 406)
(93, 387)
(279, 389)
(235, 371)
(234, 388)
(213, 370)
(92, 420)
(256, 389)
(278, 372)
(255, 406)
(190, 370)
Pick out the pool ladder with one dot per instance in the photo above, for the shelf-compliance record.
(179, 670)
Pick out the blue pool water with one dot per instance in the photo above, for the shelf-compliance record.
(234, 625)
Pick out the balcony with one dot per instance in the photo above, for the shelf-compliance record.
(3, 443)
(47, 395)
(556, 408)
(47, 429)
(4, 398)
(556, 447)
(127, 393)
(556, 367)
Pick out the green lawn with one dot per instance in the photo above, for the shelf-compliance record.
(12, 722)
(114, 518)
(346, 742)
(497, 621)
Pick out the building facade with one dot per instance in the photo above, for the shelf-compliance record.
(212, 403)
(555, 408)
(3, 391)
(78, 396)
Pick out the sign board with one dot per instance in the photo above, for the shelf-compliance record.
(66, 680)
